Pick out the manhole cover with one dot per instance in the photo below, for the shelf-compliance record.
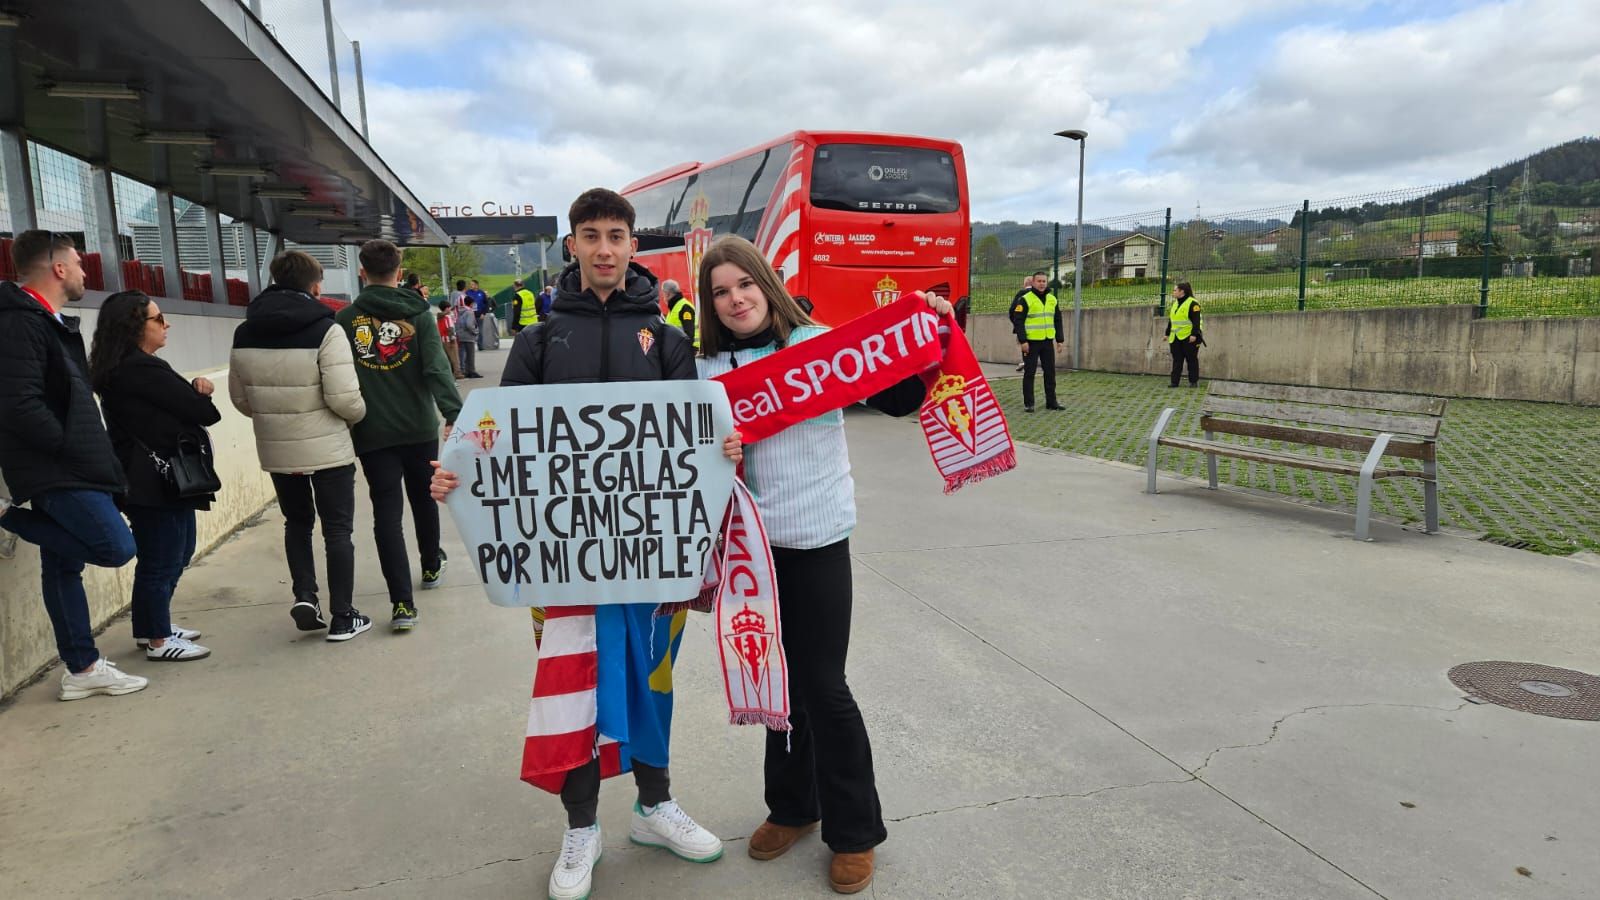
(1530, 687)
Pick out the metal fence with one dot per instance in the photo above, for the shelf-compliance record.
(1519, 252)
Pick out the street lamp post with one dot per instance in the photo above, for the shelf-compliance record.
(1082, 137)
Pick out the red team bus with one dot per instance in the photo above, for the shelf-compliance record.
(850, 220)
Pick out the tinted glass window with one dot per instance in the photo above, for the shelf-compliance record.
(876, 178)
(657, 209)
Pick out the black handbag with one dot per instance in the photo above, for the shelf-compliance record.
(188, 469)
(191, 470)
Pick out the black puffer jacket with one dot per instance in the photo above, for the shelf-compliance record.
(51, 436)
(585, 341)
(148, 407)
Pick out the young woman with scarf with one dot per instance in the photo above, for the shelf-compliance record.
(800, 478)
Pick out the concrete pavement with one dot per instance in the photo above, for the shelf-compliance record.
(1073, 690)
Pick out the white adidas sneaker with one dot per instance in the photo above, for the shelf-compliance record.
(669, 826)
(574, 872)
(176, 649)
(188, 634)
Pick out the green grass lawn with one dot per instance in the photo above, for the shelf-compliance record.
(1226, 292)
(494, 284)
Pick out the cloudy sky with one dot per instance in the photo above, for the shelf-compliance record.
(1222, 104)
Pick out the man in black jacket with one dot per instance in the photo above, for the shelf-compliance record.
(605, 325)
(56, 456)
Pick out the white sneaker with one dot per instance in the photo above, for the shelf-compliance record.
(176, 649)
(188, 634)
(669, 826)
(574, 871)
(103, 678)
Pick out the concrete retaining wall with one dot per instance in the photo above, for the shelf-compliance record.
(1440, 350)
(197, 345)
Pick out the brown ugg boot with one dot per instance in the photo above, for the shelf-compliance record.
(850, 872)
(772, 841)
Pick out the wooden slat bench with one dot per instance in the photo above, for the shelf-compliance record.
(1397, 426)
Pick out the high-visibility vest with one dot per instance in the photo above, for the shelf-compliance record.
(528, 312)
(1178, 316)
(1041, 322)
(675, 319)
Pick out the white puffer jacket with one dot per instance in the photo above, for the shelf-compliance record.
(292, 372)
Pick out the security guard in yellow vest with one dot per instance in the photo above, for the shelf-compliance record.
(1183, 333)
(526, 310)
(1036, 320)
(680, 311)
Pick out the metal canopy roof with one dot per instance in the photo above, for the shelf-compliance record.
(499, 229)
(204, 66)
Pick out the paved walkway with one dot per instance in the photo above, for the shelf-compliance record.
(1073, 689)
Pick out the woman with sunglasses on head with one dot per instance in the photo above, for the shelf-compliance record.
(149, 409)
(800, 478)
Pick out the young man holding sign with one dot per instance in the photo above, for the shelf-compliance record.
(605, 326)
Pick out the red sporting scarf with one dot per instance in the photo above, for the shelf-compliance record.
(966, 432)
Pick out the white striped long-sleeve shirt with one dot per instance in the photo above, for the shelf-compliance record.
(801, 476)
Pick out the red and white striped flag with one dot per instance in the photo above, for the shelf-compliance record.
(562, 734)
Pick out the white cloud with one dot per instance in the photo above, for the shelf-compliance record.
(555, 102)
(1431, 100)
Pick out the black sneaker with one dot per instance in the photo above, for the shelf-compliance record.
(1027, 409)
(307, 616)
(405, 617)
(1055, 406)
(430, 577)
(346, 627)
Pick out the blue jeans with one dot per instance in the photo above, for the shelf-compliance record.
(166, 544)
(72, 528)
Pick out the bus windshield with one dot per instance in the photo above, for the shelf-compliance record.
(878, 178)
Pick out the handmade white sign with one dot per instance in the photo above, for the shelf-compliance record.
(591, 493)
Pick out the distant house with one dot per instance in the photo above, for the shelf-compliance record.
(1267, 243)
(1136, 255)
(1438, 243)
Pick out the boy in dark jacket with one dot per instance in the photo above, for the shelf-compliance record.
(54, 452)
(404, 377)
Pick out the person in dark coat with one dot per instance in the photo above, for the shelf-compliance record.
(149, 410)
(56, 456)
